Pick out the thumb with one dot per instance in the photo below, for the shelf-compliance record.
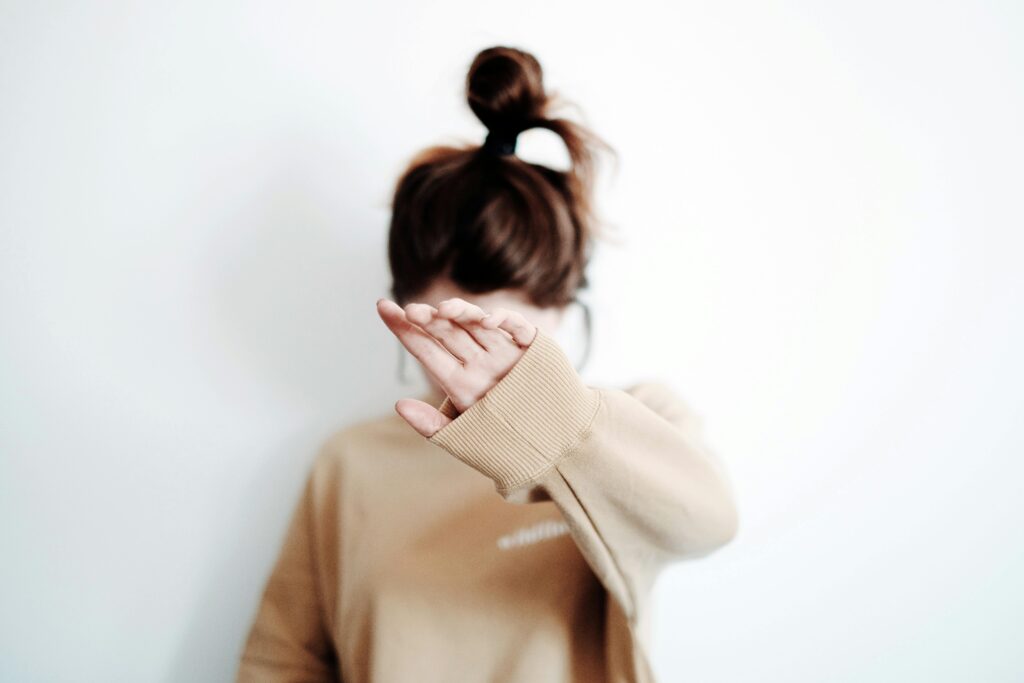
(423, 417)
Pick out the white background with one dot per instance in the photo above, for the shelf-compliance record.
(819, 220)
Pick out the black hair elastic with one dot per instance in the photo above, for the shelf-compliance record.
(500, 143)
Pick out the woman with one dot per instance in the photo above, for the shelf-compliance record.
(401, 562)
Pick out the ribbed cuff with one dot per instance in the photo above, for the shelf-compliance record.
(525, 423)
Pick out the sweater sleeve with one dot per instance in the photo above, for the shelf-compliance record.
(288, 641)
(628, 469)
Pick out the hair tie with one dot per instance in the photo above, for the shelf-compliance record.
(500, 142)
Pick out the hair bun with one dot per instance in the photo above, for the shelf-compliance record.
(505, 89)
(489, 225)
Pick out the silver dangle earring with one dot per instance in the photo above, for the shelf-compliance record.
(588, 327)
(402, 379)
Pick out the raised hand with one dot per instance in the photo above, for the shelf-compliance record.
(466, 349)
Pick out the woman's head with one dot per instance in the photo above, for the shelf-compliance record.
(484, 222)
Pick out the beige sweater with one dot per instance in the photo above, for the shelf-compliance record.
(519, 543)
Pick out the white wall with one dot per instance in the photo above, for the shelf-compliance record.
(820, 214)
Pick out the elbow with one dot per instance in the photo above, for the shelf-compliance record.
(725, 524)
(715, 514)
(707, 527)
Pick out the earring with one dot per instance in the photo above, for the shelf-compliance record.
(587, 324)
(401, 364)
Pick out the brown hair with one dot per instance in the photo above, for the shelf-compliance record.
(491, 222)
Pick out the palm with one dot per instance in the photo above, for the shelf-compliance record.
(464, 348)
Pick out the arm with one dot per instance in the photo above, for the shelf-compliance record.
(628, 469)
(289, 640)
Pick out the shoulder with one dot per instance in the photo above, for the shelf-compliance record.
(664, 399)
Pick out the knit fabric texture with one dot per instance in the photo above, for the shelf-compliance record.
(519, 543)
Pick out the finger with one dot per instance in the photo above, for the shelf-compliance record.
(451, 335)
(513, 322)
(435, 360)
(423, 417)
(469, 315)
